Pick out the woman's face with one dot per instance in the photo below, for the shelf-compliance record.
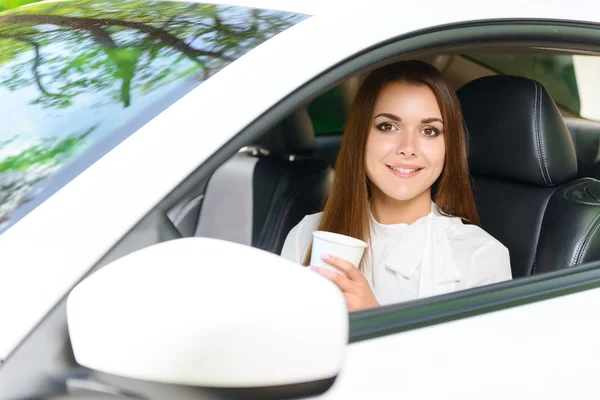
(405, 148)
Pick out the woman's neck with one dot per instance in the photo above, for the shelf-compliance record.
(388, 211)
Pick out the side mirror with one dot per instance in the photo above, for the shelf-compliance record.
(208, 313)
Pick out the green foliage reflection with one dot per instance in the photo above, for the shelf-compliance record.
(91, 66)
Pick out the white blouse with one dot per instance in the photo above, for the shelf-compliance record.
(434, 255)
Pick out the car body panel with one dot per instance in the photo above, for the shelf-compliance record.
(309, 7)
(539, 350)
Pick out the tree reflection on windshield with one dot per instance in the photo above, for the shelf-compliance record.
(71, 72)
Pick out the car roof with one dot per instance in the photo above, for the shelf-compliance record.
(309, 7)
(425, 9)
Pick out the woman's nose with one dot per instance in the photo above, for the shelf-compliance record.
(406, 145)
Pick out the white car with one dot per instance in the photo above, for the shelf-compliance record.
(155, 154)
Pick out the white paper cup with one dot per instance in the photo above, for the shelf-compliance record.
(342, 246)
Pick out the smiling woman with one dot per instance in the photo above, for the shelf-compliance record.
(393, 141)
(78, 77)
(402, 185)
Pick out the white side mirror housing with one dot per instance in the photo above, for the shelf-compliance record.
(205, 312)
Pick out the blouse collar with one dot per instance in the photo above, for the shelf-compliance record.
(391, 228)
(424, 242)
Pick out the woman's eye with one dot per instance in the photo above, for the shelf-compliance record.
(430, 132)
(386, 127)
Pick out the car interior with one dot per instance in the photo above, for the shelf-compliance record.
(534, 162)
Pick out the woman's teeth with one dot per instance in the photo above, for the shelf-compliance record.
(403, 170)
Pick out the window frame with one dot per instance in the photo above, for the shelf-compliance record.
(388, 320)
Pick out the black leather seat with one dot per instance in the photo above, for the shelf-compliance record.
(524, 167)
(261, 193)
(586, 138)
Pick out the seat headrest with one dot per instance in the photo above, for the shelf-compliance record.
(517, 131)
(292, 135)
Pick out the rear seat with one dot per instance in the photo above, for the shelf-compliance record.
(586, 138)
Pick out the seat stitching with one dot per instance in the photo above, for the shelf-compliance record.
(588, 239)
(543, 216)
(278, 225)
(288, 205)
(311, 180)
(271, 240)
(541, 135)
(577, 256)
(282, 215)
(536, 133)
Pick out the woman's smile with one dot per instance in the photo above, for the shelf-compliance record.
(404, 170)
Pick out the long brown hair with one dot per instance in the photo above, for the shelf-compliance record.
(346, 210)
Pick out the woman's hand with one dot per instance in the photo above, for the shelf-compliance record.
(355, 287)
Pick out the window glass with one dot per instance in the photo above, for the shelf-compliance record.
(328, 113)
(568, 78)
(73, 73)
(587, 71)
(8, 4)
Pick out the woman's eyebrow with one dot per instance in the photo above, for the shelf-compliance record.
(430, 120)
(390, 116)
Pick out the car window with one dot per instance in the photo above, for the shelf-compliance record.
(573, 81)
(74, 74)
(328, 112)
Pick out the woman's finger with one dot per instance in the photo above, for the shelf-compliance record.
(340, 280)
(346, 267)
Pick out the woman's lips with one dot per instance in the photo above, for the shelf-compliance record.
(405, 171)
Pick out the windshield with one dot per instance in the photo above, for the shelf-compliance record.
(77, 76)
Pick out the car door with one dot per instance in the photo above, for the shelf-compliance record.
(480, 344)
(509, 339)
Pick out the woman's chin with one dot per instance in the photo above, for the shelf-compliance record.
(404, 196)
